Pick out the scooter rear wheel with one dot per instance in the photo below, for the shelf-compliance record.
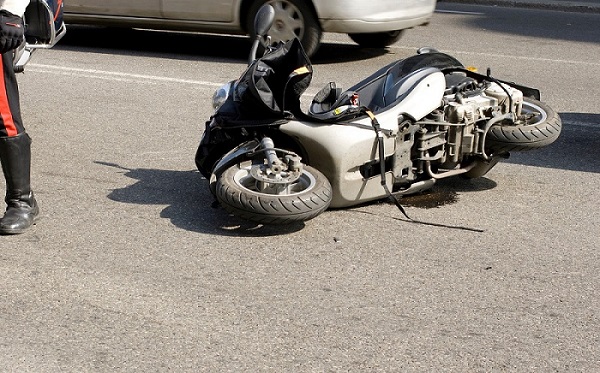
(304, 199)
(538, 126)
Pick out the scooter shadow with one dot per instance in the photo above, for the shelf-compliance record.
(576, 149)
(190, 205)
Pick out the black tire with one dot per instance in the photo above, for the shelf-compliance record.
(235, 190)
(376, 39)
(293, 18)
(539, 126)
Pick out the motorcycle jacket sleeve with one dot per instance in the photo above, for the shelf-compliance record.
(12, 28)
(11, 31)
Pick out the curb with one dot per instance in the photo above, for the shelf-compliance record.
(565, 6)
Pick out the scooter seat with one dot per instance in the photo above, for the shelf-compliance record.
(395, 91)
(331, 104)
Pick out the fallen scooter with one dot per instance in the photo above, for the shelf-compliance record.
(396, 132)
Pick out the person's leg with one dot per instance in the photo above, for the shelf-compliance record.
(15, 156)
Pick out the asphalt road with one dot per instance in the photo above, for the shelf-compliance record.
(131, 267)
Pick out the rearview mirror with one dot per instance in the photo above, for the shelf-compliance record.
(264, 19)
(262, 23)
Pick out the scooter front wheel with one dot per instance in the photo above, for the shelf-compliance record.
(243, 195)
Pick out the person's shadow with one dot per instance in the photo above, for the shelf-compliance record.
(190, 204)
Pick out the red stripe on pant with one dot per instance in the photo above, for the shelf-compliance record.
(8, 93)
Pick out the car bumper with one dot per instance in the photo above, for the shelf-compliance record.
(352, 17)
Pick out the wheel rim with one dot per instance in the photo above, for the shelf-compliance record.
(288, 23)
(244, 179)
(531, 114)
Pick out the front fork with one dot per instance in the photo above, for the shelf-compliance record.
(273, 162)
(276, 175)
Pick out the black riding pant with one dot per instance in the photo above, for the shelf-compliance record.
(10, 109)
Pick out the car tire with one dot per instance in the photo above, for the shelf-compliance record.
(293, 18)
(376, 39)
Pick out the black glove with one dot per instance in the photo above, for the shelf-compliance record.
(11, 31)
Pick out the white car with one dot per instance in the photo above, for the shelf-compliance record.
(370, 23)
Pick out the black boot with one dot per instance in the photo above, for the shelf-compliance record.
(22, 209)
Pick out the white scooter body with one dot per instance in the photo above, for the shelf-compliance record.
(338, 150)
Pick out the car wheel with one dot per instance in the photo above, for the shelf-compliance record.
(376, 39)
(293, 18)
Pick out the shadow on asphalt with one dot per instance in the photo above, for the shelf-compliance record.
(577, 148)
(192, 207)
(190, 204)
(189, 46)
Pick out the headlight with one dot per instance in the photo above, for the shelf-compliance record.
(220, 95)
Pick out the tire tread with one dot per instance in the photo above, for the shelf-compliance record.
(272, 209)
(507, 138)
